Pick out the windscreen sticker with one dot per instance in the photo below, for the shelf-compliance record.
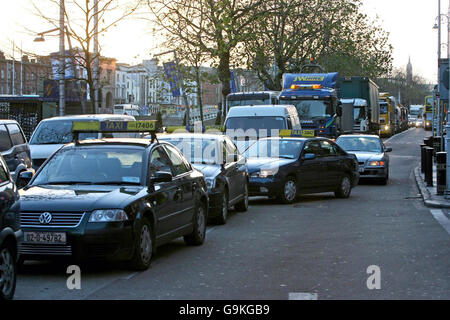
(131, 179)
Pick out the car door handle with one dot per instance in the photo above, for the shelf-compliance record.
(178, 194)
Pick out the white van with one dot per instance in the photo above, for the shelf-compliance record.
(248, 123)
(127, 109)
(53, 133)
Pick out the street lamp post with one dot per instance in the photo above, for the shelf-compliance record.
(62, 61)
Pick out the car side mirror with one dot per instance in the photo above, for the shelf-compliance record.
(24, 178)
(161, 176)
(388, 149)
(339, 110)
(309, 156)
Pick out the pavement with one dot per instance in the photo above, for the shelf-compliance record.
(429, 194)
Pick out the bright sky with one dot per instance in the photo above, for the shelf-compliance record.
(409, 22)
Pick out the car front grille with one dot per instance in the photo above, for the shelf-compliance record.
(40, 249)
(63, 219)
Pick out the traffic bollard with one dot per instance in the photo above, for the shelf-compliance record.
(441, 172)
(429, 166)
(437, 144)
(422, 158)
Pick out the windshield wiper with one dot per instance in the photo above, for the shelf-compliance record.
(117, 183)
(65, 182)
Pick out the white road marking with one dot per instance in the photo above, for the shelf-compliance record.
(210, 229)
(397, 135)
(442, 219)
(130, 276)
(302, 296)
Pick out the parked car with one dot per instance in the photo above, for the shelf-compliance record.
(113, 199)
(10, 233)
(284, 167)
(51, 134)
(14, 148)
(224, 168)
(372, 154)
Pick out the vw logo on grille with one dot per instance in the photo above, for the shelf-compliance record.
(45, 218)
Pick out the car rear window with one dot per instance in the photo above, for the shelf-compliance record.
(16, 134)
(5, 141)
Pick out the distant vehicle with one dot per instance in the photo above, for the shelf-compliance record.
(51, 134)
(368, 119)
(14, 148)
(286, 167)
(126, 109)
(387, 114)
(224, 168)
(415, 117)
(428, 116)
(10, 232)
(253, 98)
(112, 199)
(315, 95)
(371, 152)
(248, 123)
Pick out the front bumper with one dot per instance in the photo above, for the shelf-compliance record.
(108, 240)
(265, 186)
(373, 172)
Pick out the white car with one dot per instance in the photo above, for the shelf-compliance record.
(51, 134)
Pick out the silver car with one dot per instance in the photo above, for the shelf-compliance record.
(371, 152)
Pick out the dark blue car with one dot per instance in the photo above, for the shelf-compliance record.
(283, 168)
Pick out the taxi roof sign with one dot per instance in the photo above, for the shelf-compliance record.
(114, 126)
(297, 133)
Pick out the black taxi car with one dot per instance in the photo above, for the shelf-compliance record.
(286, 166)
(10, 233)
(224, 168)
(115, 199)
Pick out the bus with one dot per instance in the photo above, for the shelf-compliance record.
(128, 109)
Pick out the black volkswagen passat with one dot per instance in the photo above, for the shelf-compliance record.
(115, 199)
(10, 233)
(225, 170)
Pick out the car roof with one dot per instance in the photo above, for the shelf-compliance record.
(193, 135)
(287, 138)
(7, 121)
(359, 136)
(98, 117)
(114, 142)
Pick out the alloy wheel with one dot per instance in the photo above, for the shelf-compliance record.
(7, 272)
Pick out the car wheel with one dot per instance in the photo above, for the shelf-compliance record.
(197, 237)
(8, 273)
(345, 188)
(385, 180)
(242, 205)
(289, 192)
(222, 214)
(144, 246)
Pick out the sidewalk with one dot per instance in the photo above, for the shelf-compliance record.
(430, 198)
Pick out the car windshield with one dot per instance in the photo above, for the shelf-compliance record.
(256, 123)
(197, 150)
(364, 144)
(93, 165)
(275, 148)
(311, 109)
(359, 113)
(60, 132)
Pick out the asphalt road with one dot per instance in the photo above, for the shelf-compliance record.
(320, 247)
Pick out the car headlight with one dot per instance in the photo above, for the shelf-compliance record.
(210, 183)
(386, 127)
(267, 172)
(108, 215)
(376, 163)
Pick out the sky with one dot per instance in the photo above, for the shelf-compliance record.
(409, 22)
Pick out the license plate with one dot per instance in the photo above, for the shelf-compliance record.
(45, 237)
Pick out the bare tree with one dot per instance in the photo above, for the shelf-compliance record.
(213, 27)
(81, 28)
